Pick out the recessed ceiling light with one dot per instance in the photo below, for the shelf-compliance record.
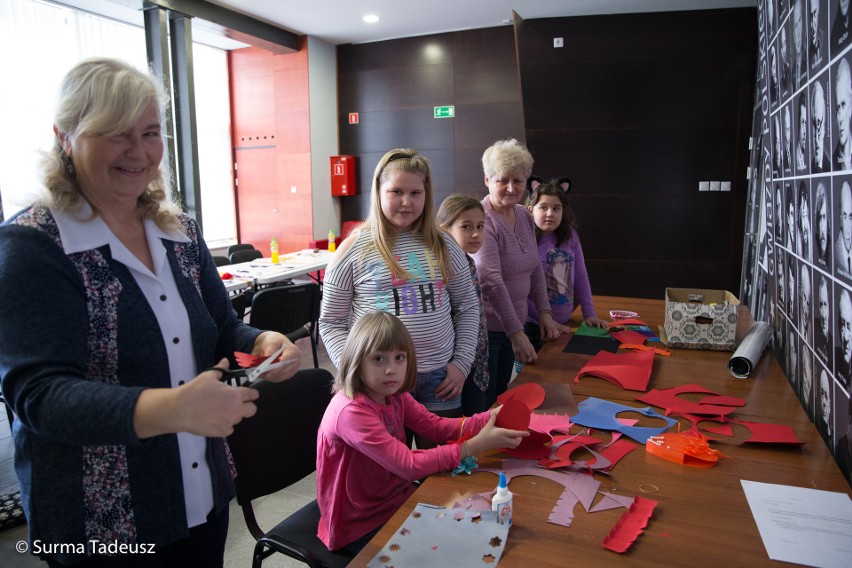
(371, 18)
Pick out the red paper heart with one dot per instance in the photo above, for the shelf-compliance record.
(514, 415)
(531, 394)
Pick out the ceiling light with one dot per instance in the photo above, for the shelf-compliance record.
(371, 18)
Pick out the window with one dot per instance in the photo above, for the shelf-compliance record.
(54, 38)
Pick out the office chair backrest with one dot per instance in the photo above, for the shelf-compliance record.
(286, 308)
(243, 246)
(245, 255)
(278, 445)
(221, 260)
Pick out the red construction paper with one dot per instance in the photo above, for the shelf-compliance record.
(617, 450)
(627, 321)
(547, 423)
(627, 336)
(769, 433)
(247, 360)
(630, 525)
(630, 371)
(669, 400)
(533, 447)
(514, 415)
(637, 347)
(531, 394)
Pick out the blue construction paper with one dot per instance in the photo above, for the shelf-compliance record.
(601, 414)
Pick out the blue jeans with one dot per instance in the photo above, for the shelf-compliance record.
(424, 391)
(501, 358)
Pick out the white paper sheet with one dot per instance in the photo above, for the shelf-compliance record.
(800, 525)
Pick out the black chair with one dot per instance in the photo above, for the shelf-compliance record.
(246, 255)
(235, 248)
(241, 303)
(273, 450)
(221, 260)
(291, 310)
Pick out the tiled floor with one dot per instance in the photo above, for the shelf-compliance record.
(240, 544)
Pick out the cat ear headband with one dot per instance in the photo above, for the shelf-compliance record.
(535, 181)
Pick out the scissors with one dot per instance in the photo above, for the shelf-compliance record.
(242, 377)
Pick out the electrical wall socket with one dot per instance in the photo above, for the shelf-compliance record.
(557, 42)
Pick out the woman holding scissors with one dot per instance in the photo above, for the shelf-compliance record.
(112, 305)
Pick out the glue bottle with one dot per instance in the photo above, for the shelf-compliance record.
(273, 251)
(502, 501)
(331, 244)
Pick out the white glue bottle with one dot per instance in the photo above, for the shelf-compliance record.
(502, 501)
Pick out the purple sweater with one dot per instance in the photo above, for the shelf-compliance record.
(566, 278)
(509, 270)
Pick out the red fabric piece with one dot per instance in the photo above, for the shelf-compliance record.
(630, 371)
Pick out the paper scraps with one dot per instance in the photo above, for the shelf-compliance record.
(435, 536)
(630, 371)
(601, 414)
(630, 526)
(670, 400)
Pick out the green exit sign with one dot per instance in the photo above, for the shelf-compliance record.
(445, 111)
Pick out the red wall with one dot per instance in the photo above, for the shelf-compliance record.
(271, 140)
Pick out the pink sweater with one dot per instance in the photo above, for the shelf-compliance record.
(509, 270)
(364, 468)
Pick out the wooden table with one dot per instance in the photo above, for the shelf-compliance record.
(703, 518)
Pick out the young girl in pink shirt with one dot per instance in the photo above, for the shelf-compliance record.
(365, 469)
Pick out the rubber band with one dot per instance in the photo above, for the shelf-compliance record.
(649, 488)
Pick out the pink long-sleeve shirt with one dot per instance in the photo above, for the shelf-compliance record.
(365, 469)
(509, 270)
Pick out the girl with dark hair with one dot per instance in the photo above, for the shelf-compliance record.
(561, 256)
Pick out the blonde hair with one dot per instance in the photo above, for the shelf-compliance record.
(375, 331)
(453, 206)
(506, 157)
(383, 234)
(103, 96)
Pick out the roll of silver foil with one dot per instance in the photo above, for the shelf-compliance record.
(748, 353)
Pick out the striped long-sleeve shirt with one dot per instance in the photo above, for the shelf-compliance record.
(442, 315)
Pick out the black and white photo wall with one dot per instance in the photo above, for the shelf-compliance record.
(797, 271)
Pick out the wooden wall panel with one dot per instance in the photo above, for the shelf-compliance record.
(637, 109)
(269, 98)
(395, 85)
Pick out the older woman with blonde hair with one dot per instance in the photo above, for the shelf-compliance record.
(508, 265)
(113, 308)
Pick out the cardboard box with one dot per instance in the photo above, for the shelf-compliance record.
(700, 319)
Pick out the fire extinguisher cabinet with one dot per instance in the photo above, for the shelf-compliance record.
(343, 175)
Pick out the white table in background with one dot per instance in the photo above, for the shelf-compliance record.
(290, 265)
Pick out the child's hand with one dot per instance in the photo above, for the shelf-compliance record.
(595, 322)
(493, 438)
